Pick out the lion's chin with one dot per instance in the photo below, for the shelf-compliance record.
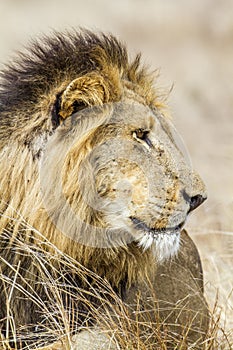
(164, 244)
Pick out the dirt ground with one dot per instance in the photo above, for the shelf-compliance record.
(191, 43)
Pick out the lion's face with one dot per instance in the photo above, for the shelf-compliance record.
(130, 173)
(143, 177)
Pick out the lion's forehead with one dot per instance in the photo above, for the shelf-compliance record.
(131, 112)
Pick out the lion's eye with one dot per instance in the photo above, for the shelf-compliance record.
(142, 135)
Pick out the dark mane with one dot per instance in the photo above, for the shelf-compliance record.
(50, 60)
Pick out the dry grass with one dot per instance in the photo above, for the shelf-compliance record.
(115, 326)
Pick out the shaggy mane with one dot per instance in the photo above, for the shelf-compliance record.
(29, 83)
(58, 57)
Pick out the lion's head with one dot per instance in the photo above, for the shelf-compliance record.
(94, 163)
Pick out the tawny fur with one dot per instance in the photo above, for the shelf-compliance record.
(73, 86)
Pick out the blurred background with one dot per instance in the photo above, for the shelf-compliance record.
(191, 42)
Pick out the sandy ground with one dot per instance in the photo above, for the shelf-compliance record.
(191, 43)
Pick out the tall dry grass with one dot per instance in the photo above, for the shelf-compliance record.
(113, 325)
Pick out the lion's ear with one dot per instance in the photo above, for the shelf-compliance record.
(88, 90)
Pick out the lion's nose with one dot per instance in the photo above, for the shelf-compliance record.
(195, 201)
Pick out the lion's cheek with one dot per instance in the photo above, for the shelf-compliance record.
(123, 182)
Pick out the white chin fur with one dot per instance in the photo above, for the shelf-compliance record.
(163, 245)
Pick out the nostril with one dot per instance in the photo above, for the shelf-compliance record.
(195, 201)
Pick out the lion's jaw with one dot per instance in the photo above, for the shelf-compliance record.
(163, 242)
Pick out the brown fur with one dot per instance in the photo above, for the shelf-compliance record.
(42, 94)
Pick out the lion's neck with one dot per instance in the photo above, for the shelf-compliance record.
(123, 267)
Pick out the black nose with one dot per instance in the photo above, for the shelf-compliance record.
(195, 201)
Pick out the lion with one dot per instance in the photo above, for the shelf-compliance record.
(92, 167)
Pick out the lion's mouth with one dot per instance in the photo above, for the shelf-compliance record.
(142, 226)
(164, 241)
